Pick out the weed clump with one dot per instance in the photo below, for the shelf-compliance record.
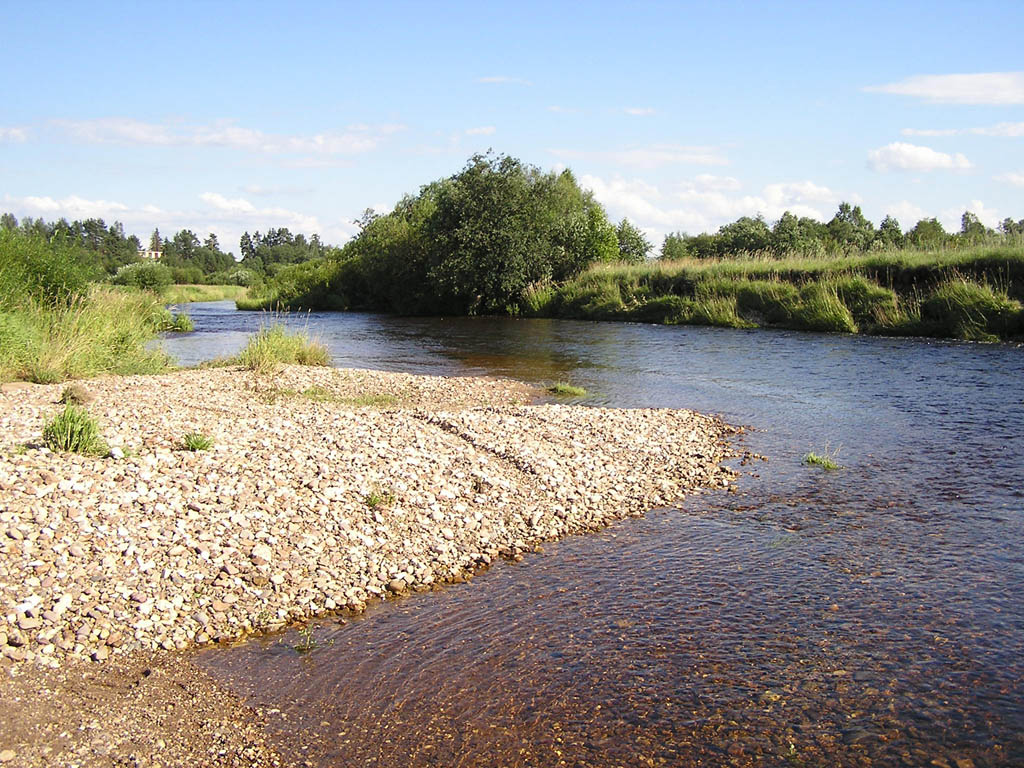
(564, 389)
(826, 460)
(197, 441)
(274, 344)
(73, 430)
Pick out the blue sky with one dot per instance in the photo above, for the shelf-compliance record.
(226, 117)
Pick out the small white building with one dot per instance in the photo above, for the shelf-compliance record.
(147, 254)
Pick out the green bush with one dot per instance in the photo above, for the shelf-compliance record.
(74, 430)
(148, 275)
(32, 269)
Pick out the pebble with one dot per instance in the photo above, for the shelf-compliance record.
(305, 506)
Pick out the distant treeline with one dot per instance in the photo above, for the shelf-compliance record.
(107, 253)
(846, 233)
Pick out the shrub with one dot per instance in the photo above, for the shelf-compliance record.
(147, 275)
(74, 430)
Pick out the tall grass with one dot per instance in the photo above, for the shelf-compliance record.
(185, 294)
(54, 325)
(102, 331)
(972, 293)
(275, 344)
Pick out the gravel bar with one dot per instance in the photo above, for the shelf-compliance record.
(324, 489)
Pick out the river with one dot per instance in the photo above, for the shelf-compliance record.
(871, 615)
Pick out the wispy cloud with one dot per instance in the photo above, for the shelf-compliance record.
(654, 156)
(931, 131)
(355, 139)
(705, 202)
(1006, 130)
(639, 111)
(1016, 179)
(484, 130)
(900, 156)
(995, 88)
(504, 80)
(13, 134)
(559, 110)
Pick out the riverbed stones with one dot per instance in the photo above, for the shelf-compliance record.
(315, 497)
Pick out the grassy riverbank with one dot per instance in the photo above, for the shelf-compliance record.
(186, 294)
(972, 293)
(55, 324)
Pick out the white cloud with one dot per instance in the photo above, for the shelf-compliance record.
(1008, 130)
(704, 203)
(931, 131)
(13, 134)
(719, 183)
(912, 157)
(995, 88)
(654, 156)
(563, 110)
(906, 213)
(356, 139)
(485, 130)
(951, 217)
(503, 79)
(1016, 179)
(639, 111)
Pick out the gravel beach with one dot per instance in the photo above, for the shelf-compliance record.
(323, 489)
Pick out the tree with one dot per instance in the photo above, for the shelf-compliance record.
(745, 235)
(155, 243)
(971, 228)
(9, 222)
(211, 242)
(849, 229)
(927, 233)
(674, 247)
(633, 246)
(889, 233)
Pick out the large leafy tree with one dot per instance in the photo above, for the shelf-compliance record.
(633, 245)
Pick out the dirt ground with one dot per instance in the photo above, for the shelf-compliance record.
(148, 709)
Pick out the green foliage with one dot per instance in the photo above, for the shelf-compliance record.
(946, 293)
(103, 331)
(74, 430)
(975, 311)
(485, 240)
(379, 498)
(826, 459)
(275, 344)
(633, 245)
(147, 275)
(34, 269)
(197, 441)
(564, 389)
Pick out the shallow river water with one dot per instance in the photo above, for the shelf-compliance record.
(873, 615)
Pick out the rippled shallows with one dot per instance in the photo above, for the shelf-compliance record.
(867, 616)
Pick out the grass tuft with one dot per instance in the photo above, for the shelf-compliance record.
(379, 499)
(564, 389)
(197, 441)
(274, 345)
(73, 430)
(826, 459)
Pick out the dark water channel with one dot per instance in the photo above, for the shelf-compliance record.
(873, 615)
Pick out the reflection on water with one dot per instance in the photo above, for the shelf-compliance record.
(869, 616)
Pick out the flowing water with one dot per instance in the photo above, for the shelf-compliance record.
(873, 615)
